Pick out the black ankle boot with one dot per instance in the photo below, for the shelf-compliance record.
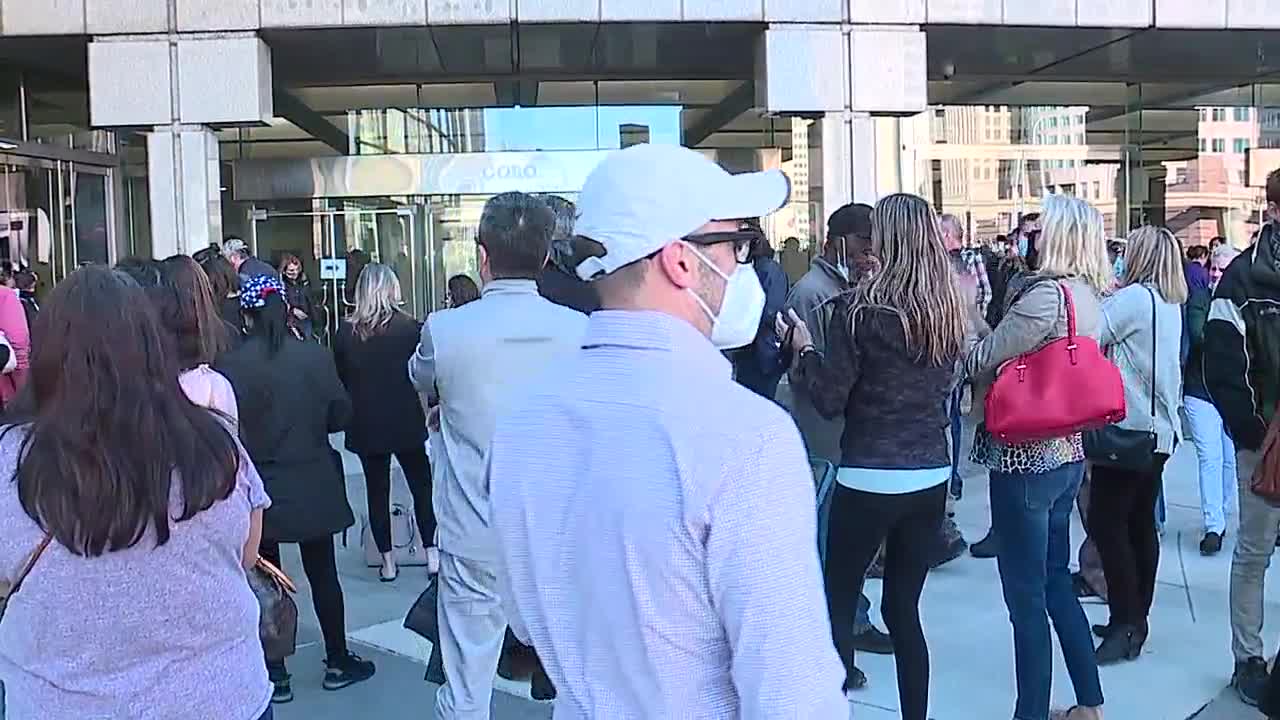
(1122, 643)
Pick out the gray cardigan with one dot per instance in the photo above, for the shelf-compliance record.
(1128, 335)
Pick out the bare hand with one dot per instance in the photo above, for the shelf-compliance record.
(801, 338)
(867, 265)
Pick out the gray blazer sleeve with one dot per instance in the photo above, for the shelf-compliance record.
(422, 364)
(1030, 322)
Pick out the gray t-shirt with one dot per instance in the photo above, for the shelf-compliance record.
(147, 632)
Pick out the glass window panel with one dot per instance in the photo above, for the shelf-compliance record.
(90, 214)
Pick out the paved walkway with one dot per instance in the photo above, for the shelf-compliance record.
(1183, 671)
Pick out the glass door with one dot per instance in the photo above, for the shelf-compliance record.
(333, 243)
(54, 216)
(387, 235)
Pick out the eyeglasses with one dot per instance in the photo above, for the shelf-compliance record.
(741, 240)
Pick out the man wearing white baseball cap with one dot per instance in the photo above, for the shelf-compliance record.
(656, 520)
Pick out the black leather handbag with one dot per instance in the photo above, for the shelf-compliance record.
(1113, 446)
(422, 618)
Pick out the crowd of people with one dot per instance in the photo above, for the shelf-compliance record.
(611, 444)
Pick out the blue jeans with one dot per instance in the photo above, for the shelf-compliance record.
(1031, 513)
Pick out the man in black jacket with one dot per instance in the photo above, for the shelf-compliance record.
(247, 266)
(559, 281)
(1241, 365)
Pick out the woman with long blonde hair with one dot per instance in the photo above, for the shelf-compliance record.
(372, 349)
(1034, 485)
(1142, 327)
(888, 368)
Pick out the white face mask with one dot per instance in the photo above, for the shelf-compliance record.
(842, 262)
(738, 321)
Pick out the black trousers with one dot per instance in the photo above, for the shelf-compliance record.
(908, 525)
(321, 567)
(377, 485)
(1122, 522)
(1271, 701)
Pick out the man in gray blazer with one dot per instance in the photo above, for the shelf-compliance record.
(475, 362)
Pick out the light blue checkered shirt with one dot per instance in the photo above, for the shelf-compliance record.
(656, 523)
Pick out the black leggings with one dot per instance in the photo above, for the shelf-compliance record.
(1122, 523)
(377, 485)
(908, 525)
(321, 567)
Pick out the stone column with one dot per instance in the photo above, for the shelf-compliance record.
(856, 81)
(180, 84)
(185, 189)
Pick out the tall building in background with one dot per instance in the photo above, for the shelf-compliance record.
(989, 164)
(800, 219)
(416, 130)
(1207, 196)
(632, 134)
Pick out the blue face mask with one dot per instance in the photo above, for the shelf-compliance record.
(1119, 266)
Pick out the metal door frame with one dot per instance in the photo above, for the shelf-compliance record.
(63, 195)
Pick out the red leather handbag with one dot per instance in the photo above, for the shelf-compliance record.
(1063, 388)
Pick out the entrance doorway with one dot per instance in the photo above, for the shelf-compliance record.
(334, 243)
(55, 215)
(420, 214)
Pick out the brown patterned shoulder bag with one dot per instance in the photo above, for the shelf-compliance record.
(1266, 477)
(9, 588)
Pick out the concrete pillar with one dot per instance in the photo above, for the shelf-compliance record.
(185, 189)
(180, 84)
(859, 80)
(830, 160)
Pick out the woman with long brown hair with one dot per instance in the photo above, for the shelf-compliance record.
(372, 349)
(297, 285)
(225, 285)
(141, 513)
(196, 333)
(888, 368)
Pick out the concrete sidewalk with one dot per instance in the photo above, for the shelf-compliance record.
(1183, 671)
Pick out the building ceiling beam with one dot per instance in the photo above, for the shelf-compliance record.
(289, 107)
(516, 92)
(723, 113)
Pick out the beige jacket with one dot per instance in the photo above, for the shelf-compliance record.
(1034, 320)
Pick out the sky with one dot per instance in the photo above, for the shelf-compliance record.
(576, 128)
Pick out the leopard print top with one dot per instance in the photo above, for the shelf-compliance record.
(1031, 458)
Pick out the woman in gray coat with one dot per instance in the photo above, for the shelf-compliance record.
(1142, 329)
